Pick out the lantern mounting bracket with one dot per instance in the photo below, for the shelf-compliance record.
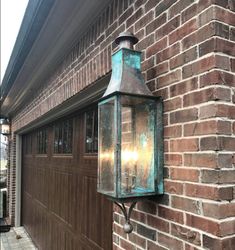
(128, 228)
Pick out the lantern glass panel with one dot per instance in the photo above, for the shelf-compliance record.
(138, 120)
(106, 176)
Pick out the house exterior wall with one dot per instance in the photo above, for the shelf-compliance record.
(188, 59)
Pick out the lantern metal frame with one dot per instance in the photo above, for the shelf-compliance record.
(5, 122)
(127, 81)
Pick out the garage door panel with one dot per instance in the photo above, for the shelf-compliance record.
(60, 206)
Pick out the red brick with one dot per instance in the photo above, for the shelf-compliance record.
(147, 64)
(168, 79)
(147, 207)
(225, 16)
(184, 115)
(218, 177)
(138, 216)
(183, 87)
(183, 58)
(157, 70)
(186, 234)
(126, 245)
(218, 243)
(203, 224)
(201, 160)
(227, 227)
(170, 214)
(217, 77)
(142, 22)
(158, 223)
(172, 104)
(218, 210)
(167, 28)
(163, 6)
(217, 45)
(209, 192)
(167, 53)
(208, 127)
(205, 64)
(227, 143)
(173, 159)
(136, 239)
(156, 23)
(207, 31)
(145, 42)
(184, 145)
(173, 131)
(178, 7)
(154, 246)
(183, 31)
(150, 4)
(173, 187)
(156, 47)
(184, 174)
(169, 242)
(189, 13)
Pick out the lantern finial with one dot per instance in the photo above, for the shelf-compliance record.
(126, 40)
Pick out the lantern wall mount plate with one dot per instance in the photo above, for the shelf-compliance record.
(130, 158)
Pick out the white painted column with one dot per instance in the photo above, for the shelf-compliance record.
(18, 180)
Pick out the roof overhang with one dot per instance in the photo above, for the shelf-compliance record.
(49, 30)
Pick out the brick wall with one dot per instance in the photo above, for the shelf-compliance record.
(189, 59)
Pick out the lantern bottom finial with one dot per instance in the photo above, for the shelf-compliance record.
(127, 227)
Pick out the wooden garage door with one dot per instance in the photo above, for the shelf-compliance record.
(60, 206)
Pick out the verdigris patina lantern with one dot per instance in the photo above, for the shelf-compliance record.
(130, 164)
(4, 126)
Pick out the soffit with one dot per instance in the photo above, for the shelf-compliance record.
(66, 22)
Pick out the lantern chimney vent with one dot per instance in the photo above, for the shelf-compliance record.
(126, 40)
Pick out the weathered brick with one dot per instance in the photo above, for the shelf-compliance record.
(169, 78)
(136, 239)
(156, 47)
(184, 174)
(167, 28)
(154, 246)
(208, 160)
(173, 159)
(218, 176)
(170, 214)
(173, 131)
(183, 31)
(208, 127)
(217, 77)
(184, 145)
(218, 243)
(146, 232)
(209, 192)
(183, 58)
(172, 104)
(142, 22)
(167, 53)
(184, 115)
(203, 224)
(183, 87)
(186, 234)
(218, 210)
(157, 222)
(173, 187)
(156, 23)
(179, 6)
(204, 64)
(169, 242)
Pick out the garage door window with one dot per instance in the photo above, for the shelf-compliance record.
(63, 137)
(91, 144)
(42, 140)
